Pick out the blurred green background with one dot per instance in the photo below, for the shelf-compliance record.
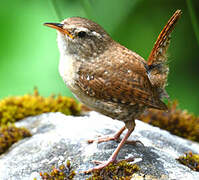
(29, 55)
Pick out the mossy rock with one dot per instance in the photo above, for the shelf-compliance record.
(10, 134)
(176, 121)
(120, 171)
(64, 172)
(15, 108)
(190, 160)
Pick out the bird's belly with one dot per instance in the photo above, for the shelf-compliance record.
(114, 110)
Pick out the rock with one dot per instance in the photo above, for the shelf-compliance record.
(58, 138)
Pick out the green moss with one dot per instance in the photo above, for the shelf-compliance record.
(15, 108)
(190, 160)
(64, 172)
(10, 134)
(178, 122)
(120, 171)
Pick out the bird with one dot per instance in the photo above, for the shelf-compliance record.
(109, 78)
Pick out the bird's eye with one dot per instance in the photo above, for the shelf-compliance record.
(81, 34)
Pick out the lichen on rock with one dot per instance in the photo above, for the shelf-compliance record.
(190, 160)
(10, 134)
(64, 172)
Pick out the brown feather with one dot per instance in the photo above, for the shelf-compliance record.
(158, 58)
(123, 79)
(162, 41)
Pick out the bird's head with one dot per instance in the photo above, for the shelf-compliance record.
(81, 37)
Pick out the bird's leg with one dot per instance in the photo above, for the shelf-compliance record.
(105, 139)
(113, 157)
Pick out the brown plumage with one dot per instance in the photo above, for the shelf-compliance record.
(157, 60)
(122, 80)
(110, 78)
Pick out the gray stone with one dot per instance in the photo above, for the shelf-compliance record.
(58, 138)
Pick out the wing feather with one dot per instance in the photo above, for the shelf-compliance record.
(123, 82)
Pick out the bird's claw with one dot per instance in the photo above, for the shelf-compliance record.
(103, 139)
(99, 167)
(103, 164)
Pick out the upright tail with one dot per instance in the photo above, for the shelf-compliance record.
(157, 62)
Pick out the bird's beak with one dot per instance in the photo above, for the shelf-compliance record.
(60, 28)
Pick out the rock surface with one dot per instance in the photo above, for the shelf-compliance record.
(57, 138)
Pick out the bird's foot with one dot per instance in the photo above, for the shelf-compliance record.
(103, 164)
(105, 139)
(99, 167)
(113, 157)
(114, 138)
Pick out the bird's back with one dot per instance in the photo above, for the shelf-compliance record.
(119, 78)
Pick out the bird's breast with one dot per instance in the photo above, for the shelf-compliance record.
(68, 69)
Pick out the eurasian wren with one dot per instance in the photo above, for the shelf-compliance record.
(110, 78)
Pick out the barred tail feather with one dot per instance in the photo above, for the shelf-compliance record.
(157, 62)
